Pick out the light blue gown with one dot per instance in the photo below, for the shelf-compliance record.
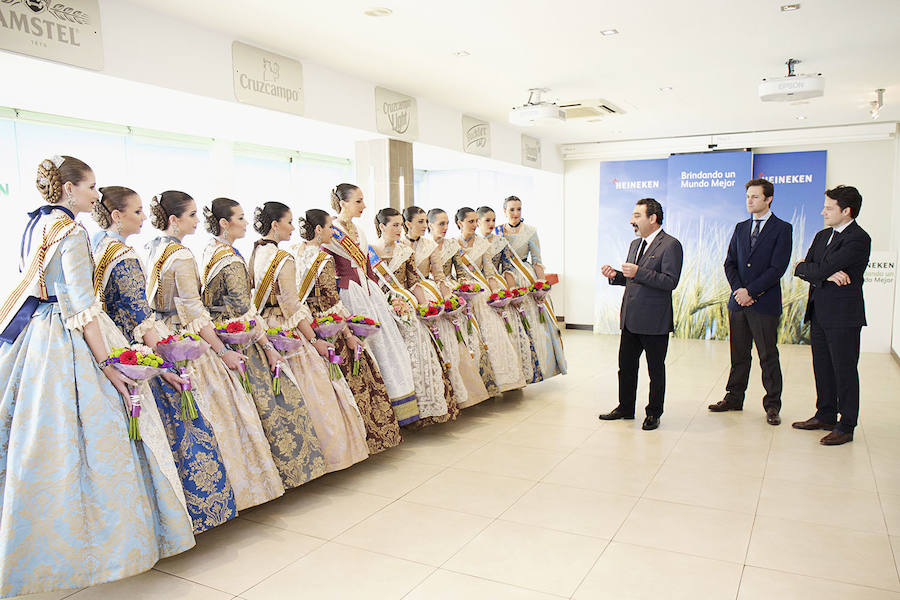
(80, 503)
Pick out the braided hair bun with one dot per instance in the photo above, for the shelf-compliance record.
(53, 173)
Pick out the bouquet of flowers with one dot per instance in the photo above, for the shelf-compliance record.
(238, 333)
(518, 298)
(136, 363)
(327, 327)
(498, 301)
(452, 307)
(283, 340)
(362, 327)
(539, 291)
(429, 314)
(180, 349)
(467, 291)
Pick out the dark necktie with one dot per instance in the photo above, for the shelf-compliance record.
(641, 251)
(755, 233)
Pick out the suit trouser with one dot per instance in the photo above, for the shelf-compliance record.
(747, 327)
(631, 345)
(835, 355)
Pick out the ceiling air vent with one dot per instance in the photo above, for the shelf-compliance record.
(589, 109)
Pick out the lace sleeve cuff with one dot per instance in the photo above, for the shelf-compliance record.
(290, 322)
(80, 319)
(146, 325)
(197, 324)
(339, 309)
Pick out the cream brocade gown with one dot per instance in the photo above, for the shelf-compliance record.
(174, 293)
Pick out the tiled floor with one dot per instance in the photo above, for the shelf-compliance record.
(532, 497)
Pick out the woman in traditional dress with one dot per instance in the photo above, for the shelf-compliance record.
(80, 503)
(401, 281)
(500, 257)
(173, 291)
(331, 404)
(476, 267)
(361, 295)
(318, 289)
(468, 387)
(120, 286)
(527, 269)
(226, 292)
(448, 257)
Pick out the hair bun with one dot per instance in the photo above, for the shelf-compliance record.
(158, 216)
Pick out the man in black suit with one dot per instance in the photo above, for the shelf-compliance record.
(758, 255)
(834, 268)
(649, 276)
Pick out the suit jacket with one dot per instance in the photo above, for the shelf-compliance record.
(647, 303)
(760, 269)
(836, 306)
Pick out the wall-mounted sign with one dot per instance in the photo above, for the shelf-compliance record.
(265, 79)
(396, 114)
(531, 151)
(67, 31)
(476, 136)
(880, 282)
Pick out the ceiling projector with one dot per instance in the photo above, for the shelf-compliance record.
(535, 111)
(792, 87)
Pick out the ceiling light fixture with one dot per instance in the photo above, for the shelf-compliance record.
(875, 105)
(378, 11)
(461, 53)
(790, 7)
(667, 88)
(801, 118)
(609, 32)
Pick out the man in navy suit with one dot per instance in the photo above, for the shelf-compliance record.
(758, 256)
(834, 268)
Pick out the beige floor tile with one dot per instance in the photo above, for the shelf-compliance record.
(823, 551)
(531, 557)
(151, 585)
(719, 457)
(320, 511)
(838, 507)
(575, 510)
(513, 461)
(765, 584)
(441, 450)
(340, 572)
(886, 473)
(446, 585)
(415, 532)
(45, 595)
(238, 554)
(481, 427)
(470, 492)
(635, 572)
(690, 485)
(603, 473)
(547, 437)
(565, 415)
(890, 504)
(383, 477)
(895, 544)
(710, 533)
(625, 439)
(831, 466)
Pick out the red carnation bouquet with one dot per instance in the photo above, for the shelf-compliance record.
(453, 306)
(327, 327)
(518, 299)
(539, 291)
(429, 314)
(137, 363)
(498, 301)
(467, 291)
(181, 349)
(238, 333)
(362, 327)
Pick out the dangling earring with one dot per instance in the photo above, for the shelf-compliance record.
(119, 227)
(70, 202)
(176, 229)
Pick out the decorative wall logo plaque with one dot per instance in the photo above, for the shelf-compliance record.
(66, 32)
(476, 136)
(531, 151)
(265, 79)
(396, 114)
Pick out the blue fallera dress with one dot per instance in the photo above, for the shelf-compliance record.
(80, 503)
(207, 490)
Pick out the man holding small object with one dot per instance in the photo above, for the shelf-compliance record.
(650, 273)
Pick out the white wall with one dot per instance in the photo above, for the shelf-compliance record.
(870, 166)
(895, 246)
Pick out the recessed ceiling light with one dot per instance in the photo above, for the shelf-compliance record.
(667, 88)
(461, 53)
(801, 118)
(609, 32)
(790, 7)
(378, 11)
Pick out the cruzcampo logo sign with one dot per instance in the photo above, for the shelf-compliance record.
(396, 114)
(66, 31)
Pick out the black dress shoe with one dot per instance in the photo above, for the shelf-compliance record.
(812, 424)
(836, 438)
(650, 423)
(772, 417)
(724, 405)
(615, 414)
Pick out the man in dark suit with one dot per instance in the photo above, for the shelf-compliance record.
(649, 276)
(834, 268)
(758, 255)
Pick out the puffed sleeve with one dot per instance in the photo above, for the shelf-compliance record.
(326, 298)
(126, 300)
(411, 273)
(436, 268)
(286, 294)
(534, 248)
(487, 266)
(191, 312)
(77, 302)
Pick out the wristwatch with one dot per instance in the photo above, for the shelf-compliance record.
(222, 352)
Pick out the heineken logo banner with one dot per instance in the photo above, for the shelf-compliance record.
(66, 31)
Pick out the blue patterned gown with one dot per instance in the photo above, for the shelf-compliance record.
(209, 496)
(80, 503)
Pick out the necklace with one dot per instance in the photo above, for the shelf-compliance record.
(349, 226)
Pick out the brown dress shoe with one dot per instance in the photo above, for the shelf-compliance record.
(724, 405)
(772, 417)
(812, 424)
(836, 438)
